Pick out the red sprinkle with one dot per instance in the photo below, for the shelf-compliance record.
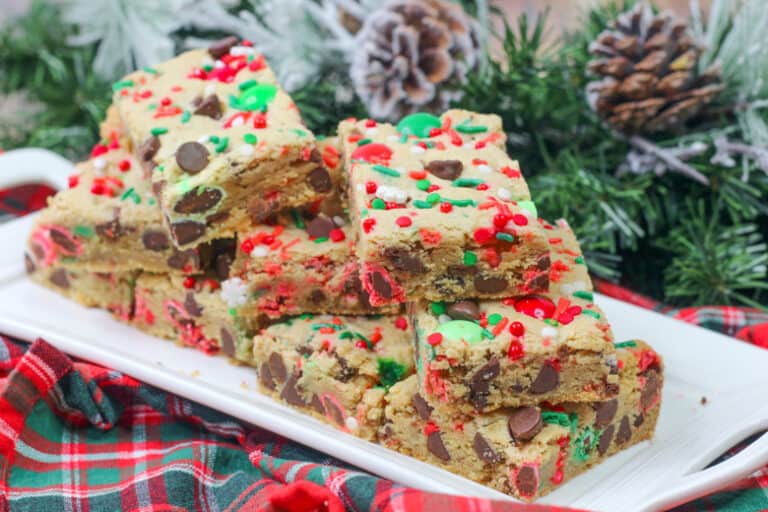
(404, 221)
(246, 246)
(446, 207)
(516, 329)
(434, 132)
(73, 180)
(368, 225)
(483, 235)
(520, 219)
(371, 187)
(361, 344)
(482, 186)
(370, 123)
(98, 149)
(435, 338)
(417, 175)
(189, 282)
(337, 235)
(516, 350)
(165, 101)
(124, 165)
(500, 220)
(401, 323)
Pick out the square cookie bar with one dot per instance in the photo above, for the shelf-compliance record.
(440, 211)
(337, 368)
(109, 221)
(187, 310)
(529, 451)
(482, 355)
(221, 142)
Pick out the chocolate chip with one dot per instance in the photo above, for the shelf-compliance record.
(157, 188)
(605, 440)
(60, 278)
(320, 227)
(317, 296)
(625, 432)
(605, 411)
(436, 447)
(485, 284)
(639, 419)
(527, 481)
(305, 350)
(346, 372)
(209, 107)
(261, 209)
(648, 395)
(222, 266)
(221, 47)
(524, 423)
(216, 218)
(63, 241)
(154, 240)
(111, 230)
(38, 251)
(445, 169)
(191, 305)
(543, 262)
(29, 264)
(480, 381)
(147, 151)
(333, 411)
(381, 286)
(423, 409)
(320, 180)
(290, 393)
(463, 310)
(317, 405)
(227, 342)
(192, 157)
(265, 377)
(187, 231)
(547, 380)
(180, 259)
(277, 366)
(538, 283)
(198, 201)
(403, 259)
(484, 450)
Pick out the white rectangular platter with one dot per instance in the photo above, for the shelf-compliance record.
(732, 375)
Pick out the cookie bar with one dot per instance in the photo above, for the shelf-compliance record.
(440, 211)
(109, 221)
(528, 451)
(482, 355)
(112, 291)
(221, 142)
(336, 368)
(188, 310)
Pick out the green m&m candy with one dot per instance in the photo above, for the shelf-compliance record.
(461, 330)
(418, 124)
(255, 97)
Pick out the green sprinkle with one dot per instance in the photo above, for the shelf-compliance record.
(585, 443)
(467, 182)
(469, 128)
(438, 308)
(423, 185)
(152, 106)
(247, 84)
(363, 142)
(579, 260)
(208, 68)
(591, 313)
(556, 418)
(505, 236)
(626, 344)
(470, 258)
(122, 84)
(583, 294)
(390, 371)
(222, 145)
(460, 202)
(318, 326)
(84, 231)
(250, 138)
(232, 312)
(385, 170)
(160, 168)
(297, 219)
(214, 139)
(487, 334)
(378, 204)
(298, 131)
(528, 206)
(158, 131)
(184, 186)
(131, 194)
(433, 198)
(151, 71)
(346, 335)
(306, 316)
(494, 318)
(151, 201)
(424, 205)
(321, 239)
(185, 117)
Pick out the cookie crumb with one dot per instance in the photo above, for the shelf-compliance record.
(703, 400)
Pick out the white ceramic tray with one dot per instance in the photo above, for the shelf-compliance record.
(732, 375)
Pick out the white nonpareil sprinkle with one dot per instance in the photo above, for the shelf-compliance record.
(99, 164)
(209, 89)
(234, 292)
(393, 194)
(218, 64)
(504, 194)
(484, 168)
(371, 130)
(203, 139)
(443, 318)
(416, 149)
(207, 61)
(237, 51)
(571, 288)
(238, 121)
(468, 145)
(246, 149)
(549, 332)
(359, 187)
(351, 424)
(259, 251)
(339, 221)
(393, 138)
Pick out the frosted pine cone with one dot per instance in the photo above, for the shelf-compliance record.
(413, 55)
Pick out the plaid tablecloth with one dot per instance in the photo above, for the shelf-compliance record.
(75, 436)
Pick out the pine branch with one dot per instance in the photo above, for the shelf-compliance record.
(669, 158)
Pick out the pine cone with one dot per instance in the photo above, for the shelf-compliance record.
(413, 55)
(648, 64)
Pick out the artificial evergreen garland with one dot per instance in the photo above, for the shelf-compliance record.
(681, 215)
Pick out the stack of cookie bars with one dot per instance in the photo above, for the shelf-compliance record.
(394, 281)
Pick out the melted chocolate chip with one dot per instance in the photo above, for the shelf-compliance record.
(381, 286)
(317, 405)
(404, 260)
(547, 380)
(192, 157)
(317, 296)
(154, 240)
(227, 342)
(37, 251)
(60, 278)
(480, 382)
(29, 264)
(423, 409)
(436, 447)
(651, 388)
(605, 411)
(320, 180)
(277, 366)
(221, 47)
(222, 265)
(333, 411)
(463, 310)
(147, 151)
(290, 393)
(261, 209)
(538, 283)
(490, 284)
(484, 450)
(180, 259)
(445, 169)
(111, 230)
(605, 440)
(639, 419)
(191, 305)
(524, 423)
(187, 231)
(320, 227)
(527, 481)
(346, 372)
(63, 241)
(209, 107)
(625, 432)
(198, 201)
(265, 377)
(543, 262)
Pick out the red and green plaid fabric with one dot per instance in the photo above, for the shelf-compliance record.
(75, 436)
